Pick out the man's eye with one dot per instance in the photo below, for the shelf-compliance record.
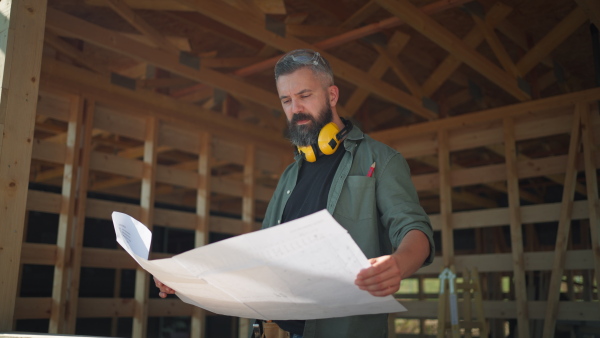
(285, 101)
(304, 96)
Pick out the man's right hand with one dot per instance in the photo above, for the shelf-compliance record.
(164, 290)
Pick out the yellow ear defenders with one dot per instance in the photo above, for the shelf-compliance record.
(328, 141)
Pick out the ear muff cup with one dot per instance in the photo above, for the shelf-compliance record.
(328, 141)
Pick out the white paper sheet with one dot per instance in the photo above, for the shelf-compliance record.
(304, 269)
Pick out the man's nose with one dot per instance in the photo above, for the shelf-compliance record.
(297, 107)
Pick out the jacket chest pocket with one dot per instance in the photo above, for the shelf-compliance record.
(357, 199)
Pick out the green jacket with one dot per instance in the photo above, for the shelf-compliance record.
(377, 211)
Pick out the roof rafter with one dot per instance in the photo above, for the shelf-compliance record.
(238, 20)
(445, 39)
(141, 25)
(555, 37)
(68, 25)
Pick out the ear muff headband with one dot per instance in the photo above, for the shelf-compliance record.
(328, 141)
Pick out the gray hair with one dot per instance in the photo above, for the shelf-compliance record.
(304, 58)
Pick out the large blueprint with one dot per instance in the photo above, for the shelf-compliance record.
(304, 269)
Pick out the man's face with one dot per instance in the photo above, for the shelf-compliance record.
(306, 104)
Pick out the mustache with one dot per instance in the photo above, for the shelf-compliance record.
(301, 116)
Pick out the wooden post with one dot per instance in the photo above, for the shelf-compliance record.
(564, 225)
(248, 212)
(77, 245)
(140, 315)
(203, 212)
(22, 32)
(60, 288)
(445, 198)
(591, 180)
(516, 235)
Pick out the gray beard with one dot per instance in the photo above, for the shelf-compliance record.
(308, 134)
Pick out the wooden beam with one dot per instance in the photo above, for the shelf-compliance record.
(239, 21)
(591, 180)
(72, 52)
(445, 39)
(402, 72)
(445, 199)
(143, 102)
(496, 14)
(71, 26)
(360, 15)
(248, 196)
(564, 226)
(378, 69)
(497, 47)
(198, 328)
(516, 231)
(141, 25)
(66, 226)
(466, 120)
(140, 317)
(553, 39)
(22, 44)
(80, 213)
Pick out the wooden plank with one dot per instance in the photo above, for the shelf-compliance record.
(591, 181)
(450, 64)
(503, 309)
(141, 25)
(157, 5)
(540, 213)
(48, 151)
(555, 102)
(445, 199)
(378, 69)
(74, 266)
(238, 20)
(553, 39)
(22, 43)
(72, 52)
(33, 307)
(140, 317)
(445, 39)
(177, 137)
(202, 228)
(533, 261)
(53, 105)
(66, 219)
(516, 234)
(119, 122)
(117, 165)
(248, 204)
(37, 253)
(564, 226)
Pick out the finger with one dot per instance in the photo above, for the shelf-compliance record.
(381, 277)
(162, 294)
(388, 291)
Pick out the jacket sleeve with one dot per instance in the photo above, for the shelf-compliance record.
(398, 204)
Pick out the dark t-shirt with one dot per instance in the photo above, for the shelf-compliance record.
(309, 196)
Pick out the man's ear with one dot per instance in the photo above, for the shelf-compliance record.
(334, 94)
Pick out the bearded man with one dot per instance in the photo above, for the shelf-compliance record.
(363, 183)
(379, 209)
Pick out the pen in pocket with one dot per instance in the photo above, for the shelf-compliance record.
(371, 170)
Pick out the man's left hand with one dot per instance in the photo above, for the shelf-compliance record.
(382, 278)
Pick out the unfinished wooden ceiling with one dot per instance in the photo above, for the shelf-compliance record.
(397, 62)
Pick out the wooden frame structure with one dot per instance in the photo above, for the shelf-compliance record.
(104, 141)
